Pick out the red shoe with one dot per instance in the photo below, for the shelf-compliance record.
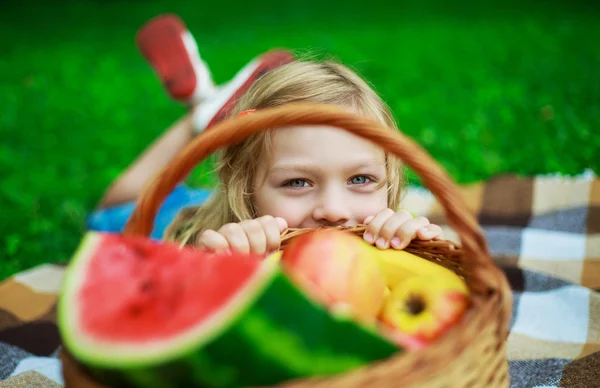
(168, 45)
(220, 104)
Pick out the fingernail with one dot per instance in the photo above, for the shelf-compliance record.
(426, 233)
(281, 223)
(381, 243)
(368, 237)
(396, 242)
(369, 219)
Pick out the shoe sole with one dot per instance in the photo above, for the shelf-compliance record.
(160, 41)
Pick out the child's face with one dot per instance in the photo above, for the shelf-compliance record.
(320, 176)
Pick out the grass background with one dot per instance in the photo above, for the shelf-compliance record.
(486, 87)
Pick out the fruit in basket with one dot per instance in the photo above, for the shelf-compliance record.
(399, 265)
(338, 269)
(425, 298)
(141, 313)
(420, 309)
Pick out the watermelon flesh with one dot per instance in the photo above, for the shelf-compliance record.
(140, 313)
(155, 289)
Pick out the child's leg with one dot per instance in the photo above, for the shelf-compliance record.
(171, 50)
(219, 106)
(214, 107)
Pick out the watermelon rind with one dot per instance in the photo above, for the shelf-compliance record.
(102, 353)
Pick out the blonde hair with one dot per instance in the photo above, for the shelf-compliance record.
(319, 82)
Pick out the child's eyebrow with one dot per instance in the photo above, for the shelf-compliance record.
(308, 167)
(366, 163)
(292, 167)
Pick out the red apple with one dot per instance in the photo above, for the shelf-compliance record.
(338, 269)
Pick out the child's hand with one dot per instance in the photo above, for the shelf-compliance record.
(260, 235)
(397, 229)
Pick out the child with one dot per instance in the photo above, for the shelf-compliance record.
(298, 177)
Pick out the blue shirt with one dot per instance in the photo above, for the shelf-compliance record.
(113, 219)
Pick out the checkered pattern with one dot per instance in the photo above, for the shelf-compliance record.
(544, 232)
(29, 339)
(548, 224)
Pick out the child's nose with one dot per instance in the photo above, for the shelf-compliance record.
(331, 211)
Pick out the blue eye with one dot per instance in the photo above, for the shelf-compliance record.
(296, 183)
(359, 180)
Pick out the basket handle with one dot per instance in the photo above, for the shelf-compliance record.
(235, 130)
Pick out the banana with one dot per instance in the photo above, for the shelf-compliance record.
(399, 265)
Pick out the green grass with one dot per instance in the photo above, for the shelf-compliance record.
(470, 82)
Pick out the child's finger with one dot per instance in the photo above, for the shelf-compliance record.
(372, 229)
(236, 237)
(211, 240)
(407, 232)
(281, 223)
(429, 232)
(389, 229)
(272, 228)
(255, 233)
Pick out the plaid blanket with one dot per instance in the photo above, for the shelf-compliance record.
(543, 231)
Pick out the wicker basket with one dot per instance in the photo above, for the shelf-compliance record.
(471, 354)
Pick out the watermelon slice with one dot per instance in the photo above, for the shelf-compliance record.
(139, 313)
